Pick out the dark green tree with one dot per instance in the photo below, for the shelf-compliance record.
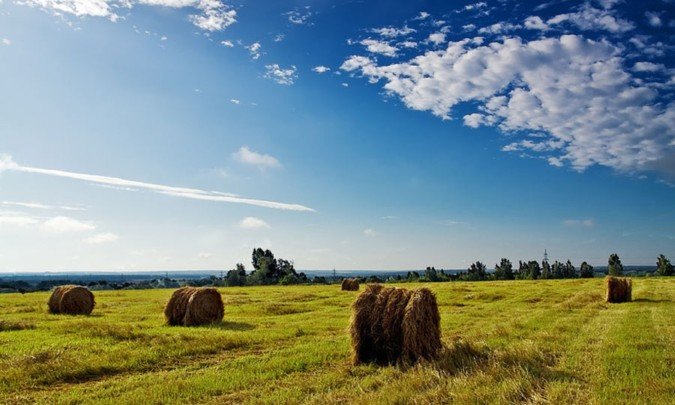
(504, 270)
(534, 271)
(585, 270)
(476, 272)
(546, 270)
(614, 266)
(430, 274)
(558, 270)
(570, 270)
(663, 266)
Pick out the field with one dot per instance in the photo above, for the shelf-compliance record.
(511, 341)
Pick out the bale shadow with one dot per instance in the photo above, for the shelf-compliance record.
(240, 326)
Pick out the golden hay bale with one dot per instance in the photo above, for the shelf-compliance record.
(72, 300)
(192, 306)
(350, 284)
(395, 326)
(619, 289)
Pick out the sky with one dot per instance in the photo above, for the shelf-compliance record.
(180, 134)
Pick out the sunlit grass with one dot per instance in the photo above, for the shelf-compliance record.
(513, 341)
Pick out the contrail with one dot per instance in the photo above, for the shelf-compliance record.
(7, 163)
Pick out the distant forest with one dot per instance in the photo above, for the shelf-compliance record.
(268, 270)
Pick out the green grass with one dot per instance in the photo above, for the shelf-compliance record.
(521, 341)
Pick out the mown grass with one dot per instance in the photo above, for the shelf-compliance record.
(522, 341)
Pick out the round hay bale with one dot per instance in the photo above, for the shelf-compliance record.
(192, 306)
(395, 326)
(421, 327)
(72, 300)
(350, 284)
(618, 289)
(204, 307)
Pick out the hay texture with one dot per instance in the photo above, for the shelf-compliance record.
(192, 306)
(350, 284)
(395, 326)
(619, 289)
(71, 300)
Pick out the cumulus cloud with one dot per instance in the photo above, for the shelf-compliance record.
(498, 28)
(379, 47)
(254, 50)
(63, 224)
(572, 90)
(101, 238)
(648, 67)
(590, 18)
(260, 160)
(7, 164)
(285, 76)
(320, 69)
(535, 23)
(253, 223)
(436, 38)
(227, 44)
(393, 32)
(654, 19)
(213, 15)
(235, 101)
(6, 42)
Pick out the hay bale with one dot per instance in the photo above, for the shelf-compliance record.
(192, 306)
(350, 284)
(619, 289)
(395, 326)
(72, 300)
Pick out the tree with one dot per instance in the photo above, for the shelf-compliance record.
(614, 268)
(663, 266)
(236, 276)
(476, 272)
(504, 270)
(545, 270)
(570, 271)
(558, 270)
(431, 274)
(534, 269)
(585, 270)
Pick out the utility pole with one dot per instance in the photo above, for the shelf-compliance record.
(545, 257)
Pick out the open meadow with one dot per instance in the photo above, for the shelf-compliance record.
(550, 341)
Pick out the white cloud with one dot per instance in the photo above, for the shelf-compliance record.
(648, 67)
(6, 42)
(205, 255)
(17, 219)
(498, 28)
(408, 44)
(535, 23)
(285, 76)
(40, 206)
(101, 238)
(320, 69)
(436, 38)
(393, 32)
(227, 44)
(579, 222)
(422, 16)
(573, 90)
(163, 38)
(262, 161)
(590, 18)
(213, 15)
(254, 50)
(370, 232)
(654, 19)
(279, 37)
(235, 101)
(299, 16)
(63, 224)
(6, 163)
(344, 84)
(379, 47)
(253, 223)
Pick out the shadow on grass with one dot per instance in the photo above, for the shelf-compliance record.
(234, 326)
(650, 300)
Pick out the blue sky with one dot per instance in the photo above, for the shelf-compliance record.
(177, 134)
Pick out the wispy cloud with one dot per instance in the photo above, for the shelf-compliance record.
(260, 160)
(7, 164)
(370, 232)
(579, 222)
(101, 238)
(39, 206)
(63, 224)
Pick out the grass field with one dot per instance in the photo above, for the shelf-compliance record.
(519, 341)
